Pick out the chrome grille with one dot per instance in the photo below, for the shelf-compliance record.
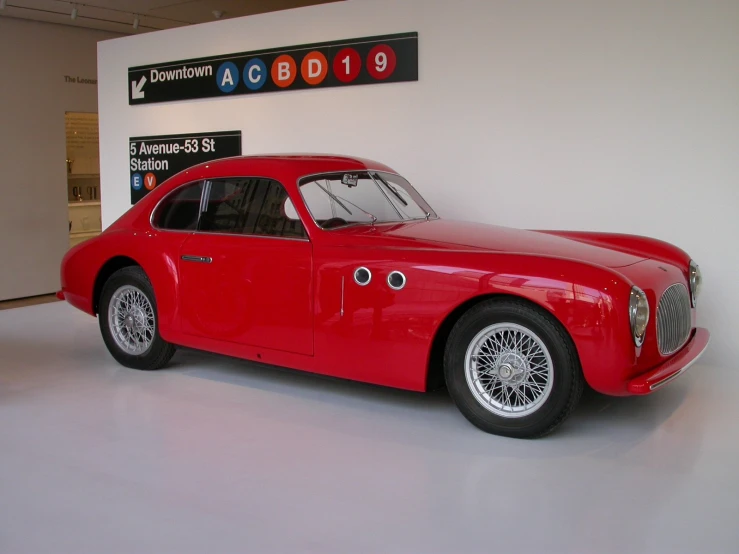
(673, 319)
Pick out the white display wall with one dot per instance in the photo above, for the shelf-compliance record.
(570, 114)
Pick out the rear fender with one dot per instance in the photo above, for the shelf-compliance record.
(83, 265)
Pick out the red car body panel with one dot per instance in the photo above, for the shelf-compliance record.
(293, 302)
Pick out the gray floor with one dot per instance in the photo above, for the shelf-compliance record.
(217, 455)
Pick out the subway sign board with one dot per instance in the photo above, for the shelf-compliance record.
(154, 159)
(361, 61)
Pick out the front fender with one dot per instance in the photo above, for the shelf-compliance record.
(591, 303)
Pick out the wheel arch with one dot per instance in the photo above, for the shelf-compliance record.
(108, 268)
(435, 362)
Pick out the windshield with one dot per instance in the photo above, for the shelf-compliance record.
(340, 199)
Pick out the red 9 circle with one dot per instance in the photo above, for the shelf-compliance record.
(381, 62)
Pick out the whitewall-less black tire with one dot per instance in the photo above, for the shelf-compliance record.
(512, 369)
(129, 322)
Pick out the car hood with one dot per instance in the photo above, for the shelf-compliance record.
(448, 234)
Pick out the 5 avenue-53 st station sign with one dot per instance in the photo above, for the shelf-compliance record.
(361, 61)
(154, 159)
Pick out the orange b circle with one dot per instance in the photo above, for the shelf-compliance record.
(150, 181)
(284, 71)
(314, 68)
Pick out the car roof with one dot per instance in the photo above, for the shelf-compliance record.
(289, 169)
(294, 163)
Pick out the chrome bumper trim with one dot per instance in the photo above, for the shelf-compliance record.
(682, 370)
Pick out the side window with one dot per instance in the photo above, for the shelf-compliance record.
(179, 210)
(249, 207)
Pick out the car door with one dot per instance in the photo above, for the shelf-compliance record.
(246, 273)
(174, 219)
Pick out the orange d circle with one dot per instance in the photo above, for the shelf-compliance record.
(284, 70)
(314, 68)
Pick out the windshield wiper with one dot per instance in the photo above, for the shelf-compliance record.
(391, 189)
(374, 219)
(335, 199)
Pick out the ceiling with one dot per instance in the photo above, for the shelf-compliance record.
(152, 15)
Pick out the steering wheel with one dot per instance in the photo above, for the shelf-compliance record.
(334, 222)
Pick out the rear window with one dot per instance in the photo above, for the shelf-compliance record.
(180, 209)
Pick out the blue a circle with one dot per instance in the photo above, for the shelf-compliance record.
(227, 77)
(255, 74)
(136, 181)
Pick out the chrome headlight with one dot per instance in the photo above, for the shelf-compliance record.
(638, 314)
(695, 281)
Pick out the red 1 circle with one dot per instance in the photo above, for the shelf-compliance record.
(381, 61)
(347, 64)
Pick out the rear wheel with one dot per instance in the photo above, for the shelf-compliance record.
(128, 321)
(512, 369)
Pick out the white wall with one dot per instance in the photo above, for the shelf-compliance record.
(34, 58)
(570, 114)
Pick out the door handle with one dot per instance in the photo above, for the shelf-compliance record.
(200, 259)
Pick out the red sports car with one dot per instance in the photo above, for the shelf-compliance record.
(336, 265)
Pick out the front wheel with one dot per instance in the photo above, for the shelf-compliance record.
(512, 369)
(128, 321)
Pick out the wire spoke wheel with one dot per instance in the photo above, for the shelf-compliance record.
(131, 320)
(509, 370)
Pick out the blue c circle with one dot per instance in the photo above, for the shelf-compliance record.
(227, 77)
(136, 181)
(255, 74)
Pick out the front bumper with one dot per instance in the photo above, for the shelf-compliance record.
(672, 368)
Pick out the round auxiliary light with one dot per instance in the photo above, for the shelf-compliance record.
(362, 276)
(396, 280)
